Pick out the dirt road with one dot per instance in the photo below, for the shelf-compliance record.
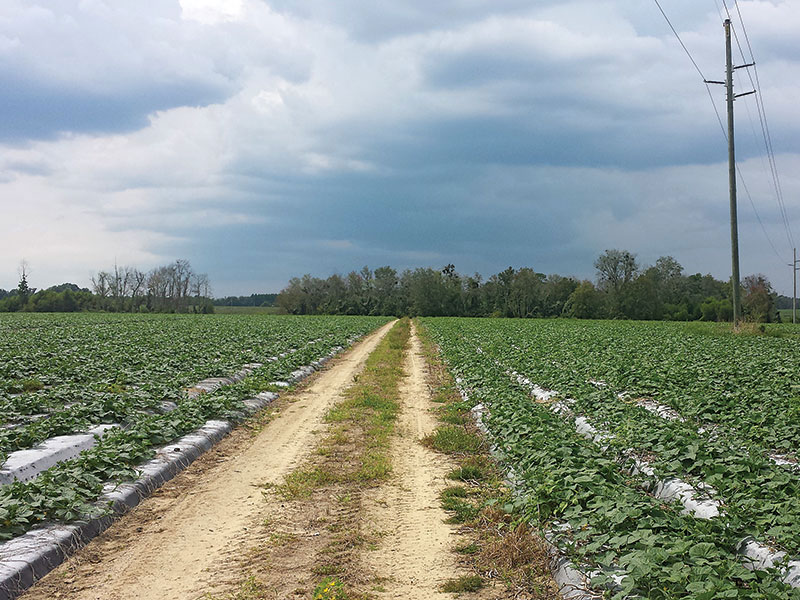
(167, 548)
(415, 550)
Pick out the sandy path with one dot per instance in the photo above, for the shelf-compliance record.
(171, 555)
(415, 550)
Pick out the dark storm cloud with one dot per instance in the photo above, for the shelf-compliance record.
(91, 66)
(36, 110)
(463, 217)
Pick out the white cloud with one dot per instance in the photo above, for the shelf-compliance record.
(62, 240)
(211, 12)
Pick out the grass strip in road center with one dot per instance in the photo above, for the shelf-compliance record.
(357, 448)
(326, 492)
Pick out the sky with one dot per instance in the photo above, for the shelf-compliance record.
(265, 139)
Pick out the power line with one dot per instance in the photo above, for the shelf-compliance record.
(738, 168)
(762, 115)
(772, 174)
(719, 117)
(760, 222)
(719, 10)
(755, 136)
(685, 49)
(744, 31)
(697, 68)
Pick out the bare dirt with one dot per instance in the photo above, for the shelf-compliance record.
(414, 553)
(172, 546)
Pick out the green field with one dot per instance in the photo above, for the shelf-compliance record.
(575, 408)
(590, 419)
(62, 373)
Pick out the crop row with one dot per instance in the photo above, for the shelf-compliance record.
(748, 384)
(68, 490)
(63, 373)
(584, 493)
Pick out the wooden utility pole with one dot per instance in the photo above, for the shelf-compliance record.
(728, 83)
(794, 286)
(737, 305)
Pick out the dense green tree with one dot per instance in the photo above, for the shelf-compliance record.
(472, 301)
(623, 291)
(640, 298)
(557, 290)
(503, 300)
(386, 283)
(427, 292)
(334, 299)
(585, 302)
(292, 298)
(526, 298)
(716, 309)
(251, 300)
(616, 269)
(23, 289)
(11, 303)
(453, 292)
(758, 300)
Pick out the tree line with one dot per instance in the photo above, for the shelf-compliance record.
(251, 300)
(175, 287)
(623, 289)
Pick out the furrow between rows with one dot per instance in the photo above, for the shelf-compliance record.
(755, 555)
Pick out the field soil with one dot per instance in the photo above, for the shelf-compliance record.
(414, 553)
(173, 545)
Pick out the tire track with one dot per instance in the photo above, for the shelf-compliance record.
(415, 553)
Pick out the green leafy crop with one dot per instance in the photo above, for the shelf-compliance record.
(735, 396)
(100, 368)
